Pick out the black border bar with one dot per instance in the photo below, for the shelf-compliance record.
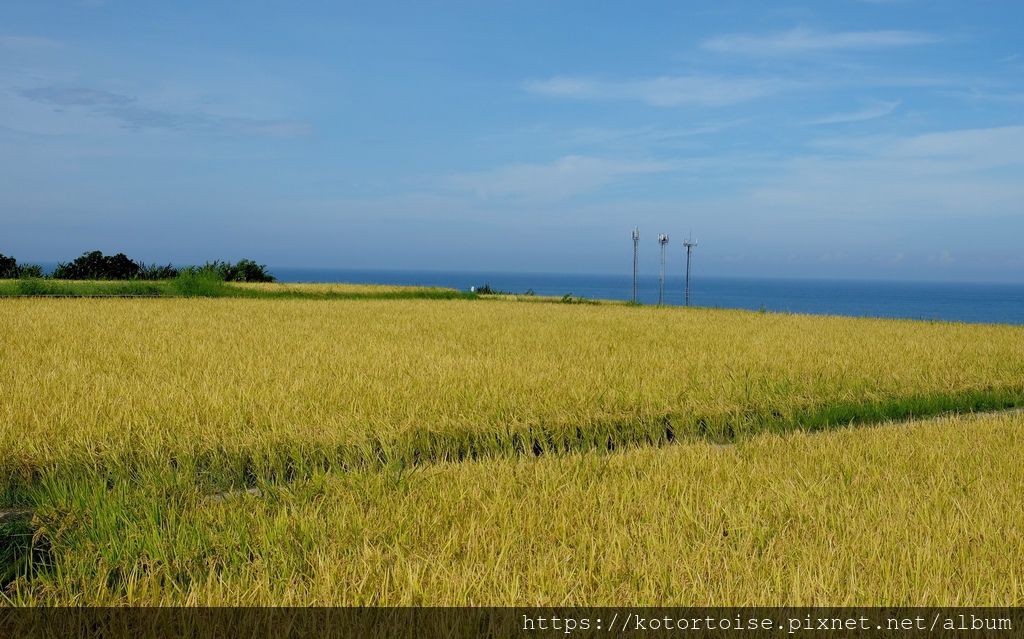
(520, 622)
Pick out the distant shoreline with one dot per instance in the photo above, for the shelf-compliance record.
(1001, 303)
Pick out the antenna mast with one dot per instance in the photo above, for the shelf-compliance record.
(636, 244)
(662, 240)
(689, 244)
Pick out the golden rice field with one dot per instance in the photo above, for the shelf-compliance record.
(924, 513)
(399, 443)
(110, 382)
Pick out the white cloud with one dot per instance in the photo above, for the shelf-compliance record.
(870, 112)
(566, 177)
(665, 91)
(801, 40)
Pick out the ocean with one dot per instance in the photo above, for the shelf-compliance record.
(958, 302)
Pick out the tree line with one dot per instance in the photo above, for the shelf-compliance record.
(94, 265)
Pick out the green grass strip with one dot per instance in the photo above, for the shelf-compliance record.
(188, 285)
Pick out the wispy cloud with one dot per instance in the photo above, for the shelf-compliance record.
(801, 40)
(131, 114)
(663, 91)
(603, 140)
(958, 173)
(566, 177)
(994, 94)
(76, 96)
(970, 149)
(641, 136)
(869, 112)
(27, 43)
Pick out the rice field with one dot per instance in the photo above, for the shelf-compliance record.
(256, 386)
(430, 451)
(924, 513)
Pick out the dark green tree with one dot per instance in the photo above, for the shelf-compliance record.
(8, 267)
(250, 271)
(94, 265)
(244, 270)
(30, 270)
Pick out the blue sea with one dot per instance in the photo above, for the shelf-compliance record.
(960, 302)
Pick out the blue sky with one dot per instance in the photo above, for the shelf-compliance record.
(878, 139)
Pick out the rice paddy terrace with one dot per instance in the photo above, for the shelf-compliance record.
(369, 447)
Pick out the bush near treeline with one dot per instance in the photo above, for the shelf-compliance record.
(10, 269)
(94, 265)
(240, 271)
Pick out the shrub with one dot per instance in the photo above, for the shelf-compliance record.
(199, 282)
(487, 290)
(249, 271)
(95, 265)
(30, 271)
(569, 298)
(244, 271)
(9, 269)
(157, 272)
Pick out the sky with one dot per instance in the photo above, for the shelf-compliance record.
(875, 139)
